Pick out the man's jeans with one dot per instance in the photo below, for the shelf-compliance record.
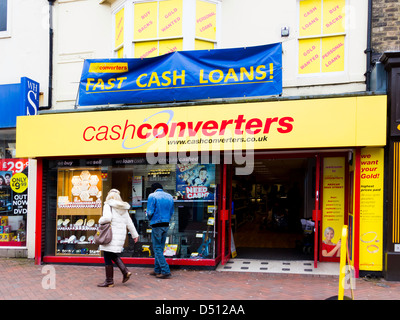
(159, 235)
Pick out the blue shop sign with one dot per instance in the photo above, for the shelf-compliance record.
(18, 99)
(183, 76)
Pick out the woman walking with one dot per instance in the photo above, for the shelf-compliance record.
(116, 211)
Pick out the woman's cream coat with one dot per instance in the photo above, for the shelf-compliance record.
(117, 212)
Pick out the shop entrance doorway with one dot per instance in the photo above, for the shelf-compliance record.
(273, 209)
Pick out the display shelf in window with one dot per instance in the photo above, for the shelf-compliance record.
(79, 192)
(75, 235)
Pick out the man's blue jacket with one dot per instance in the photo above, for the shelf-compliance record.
(160, 207)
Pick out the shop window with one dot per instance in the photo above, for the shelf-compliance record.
(322, 36)
(81, 192)
(160, 27)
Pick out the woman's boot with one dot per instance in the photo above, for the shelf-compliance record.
(123, 269)
(109, 282)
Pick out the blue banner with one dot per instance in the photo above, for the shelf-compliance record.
(183, 76)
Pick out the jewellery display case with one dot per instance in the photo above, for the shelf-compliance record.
(79, 207)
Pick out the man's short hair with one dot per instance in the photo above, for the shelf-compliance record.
(156, 186)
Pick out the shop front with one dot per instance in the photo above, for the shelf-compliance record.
(213, 159)
(17, 175)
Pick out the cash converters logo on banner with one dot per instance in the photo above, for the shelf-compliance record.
(183, 75)
(241, 129)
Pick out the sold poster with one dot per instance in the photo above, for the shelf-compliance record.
(371, 209)
(332, 206)
(195, 181)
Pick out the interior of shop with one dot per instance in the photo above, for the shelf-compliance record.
(272, 210)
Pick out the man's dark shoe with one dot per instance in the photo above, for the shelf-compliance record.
(153, 273)
(163, 276)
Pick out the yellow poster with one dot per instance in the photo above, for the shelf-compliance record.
(371, 209)
(203, 45)
(119, 28)
(318, 18)
(333, 206)
(310, 18)
(146, 49)
(334, 16)
(120, 53)
(333, 54)
(309, 56)
(145, 20)
(206, 20)
(170, 18)
(168, 46)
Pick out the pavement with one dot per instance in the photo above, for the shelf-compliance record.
(21, 279)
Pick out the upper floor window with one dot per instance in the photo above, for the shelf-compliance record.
(4, 19)
(322, 36)
(151, 28)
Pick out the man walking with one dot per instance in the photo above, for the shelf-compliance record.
(160, 208)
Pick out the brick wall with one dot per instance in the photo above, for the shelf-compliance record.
(385, 26)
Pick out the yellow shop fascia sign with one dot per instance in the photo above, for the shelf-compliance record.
(312, 123)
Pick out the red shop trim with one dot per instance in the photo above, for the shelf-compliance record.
(39, 212)
(13, 244)
(133, 261)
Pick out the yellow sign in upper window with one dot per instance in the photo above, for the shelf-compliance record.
(119, 28)
(145, 20)
(170, 19)
(158, 26)
(310, 55)
(206, 20)
(322, 33)
(168, 46)
(310, 18)
(334, 16)
(322, 17)
(332, 54)
(146, 49)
